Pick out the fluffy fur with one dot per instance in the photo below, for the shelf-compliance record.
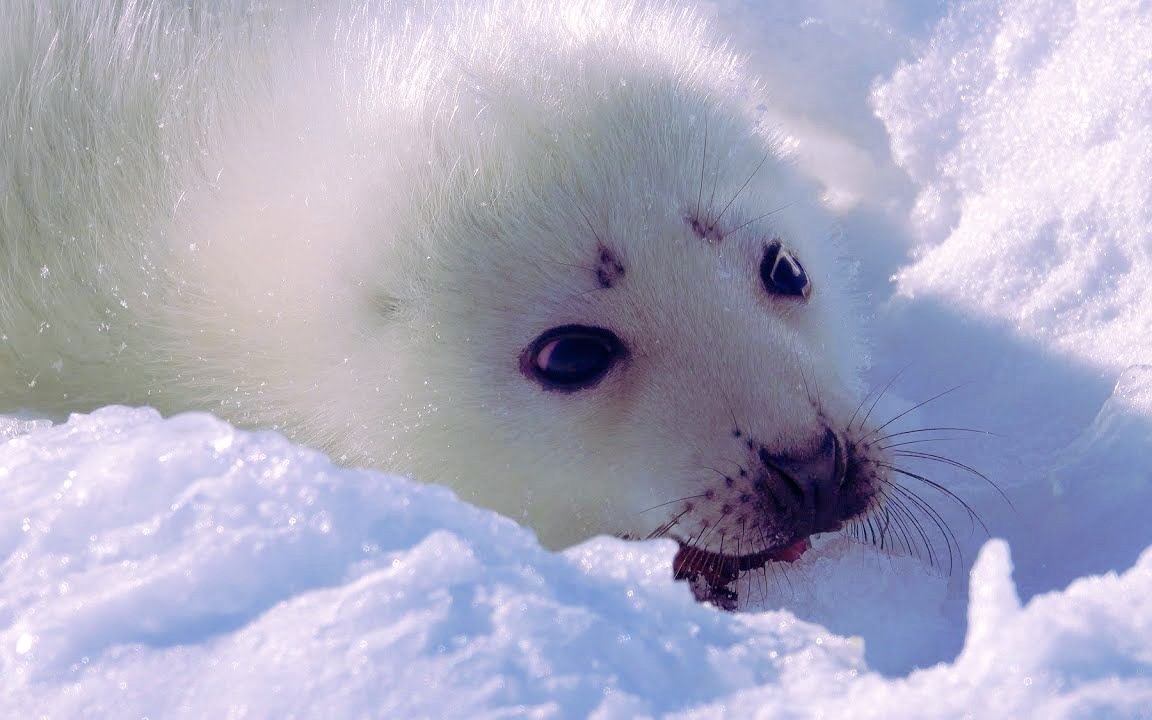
(349, 223)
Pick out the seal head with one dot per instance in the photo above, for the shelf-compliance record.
(543, 253)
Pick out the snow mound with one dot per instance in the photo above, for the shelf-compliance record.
(182, 568)
(1028, 129)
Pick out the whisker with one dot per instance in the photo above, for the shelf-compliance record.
(873, 536)
(663, 528)
(815, 401)
(740, 551)
(758, 218)
(931, 514)
(588, 221)
(960, 466)
(717, 219)
(673, 502)
(879, 396)
(914, 407)
(712, 469)
(571, 265)
(882, 529)
(935, 429)
(886, 387)
(712, 196)
(941, 459)
(899, 514)
(704, 533)
(917, 442)
(950, 540)
(703, 159)
(859, 407)
(899, 526)
(972, 514)
(731, 412)
(740, 539)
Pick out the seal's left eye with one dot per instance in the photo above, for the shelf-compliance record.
(782, 274)
(572, 357)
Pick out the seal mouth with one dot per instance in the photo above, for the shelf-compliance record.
(718, 569)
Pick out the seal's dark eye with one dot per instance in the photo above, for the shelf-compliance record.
(782, 274)
(572, 357)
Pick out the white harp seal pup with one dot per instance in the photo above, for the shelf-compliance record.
(539, 251)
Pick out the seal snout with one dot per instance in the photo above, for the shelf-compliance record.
(783, 498)
(807, 488)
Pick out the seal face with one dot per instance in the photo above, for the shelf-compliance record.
(542, 253)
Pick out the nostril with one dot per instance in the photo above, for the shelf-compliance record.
(785, 469)
(811, 483)
(827, 491)
(836, 449)
(794, 487)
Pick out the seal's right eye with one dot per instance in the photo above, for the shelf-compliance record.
(572, 357)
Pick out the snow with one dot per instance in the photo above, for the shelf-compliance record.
(990, 162)
(181, 567)
(1034, 130)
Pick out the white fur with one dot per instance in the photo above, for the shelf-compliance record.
(348, 224)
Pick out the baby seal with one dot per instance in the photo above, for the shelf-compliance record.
(541, 252)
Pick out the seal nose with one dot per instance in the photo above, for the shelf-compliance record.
(813, 482)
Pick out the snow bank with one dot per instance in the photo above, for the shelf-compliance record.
(181, 568)
(1028, 129)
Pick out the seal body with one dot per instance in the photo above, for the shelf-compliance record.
(540, 252)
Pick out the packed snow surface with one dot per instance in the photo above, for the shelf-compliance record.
(990, 162)
(183, 568)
